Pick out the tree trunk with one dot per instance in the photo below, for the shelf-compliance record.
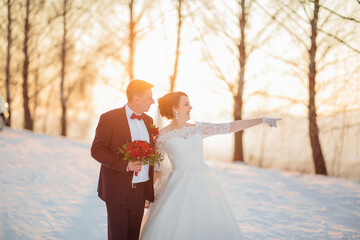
(177, 53)
(317, 154)
(132, 36)
(28, 121)
(62, 82)
(238, 153)
(8, 61)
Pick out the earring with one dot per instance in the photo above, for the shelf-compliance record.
(176, 115)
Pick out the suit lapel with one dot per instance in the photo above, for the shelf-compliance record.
(147, 124)
(125, 128)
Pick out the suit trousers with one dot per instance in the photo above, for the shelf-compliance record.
(124, 220)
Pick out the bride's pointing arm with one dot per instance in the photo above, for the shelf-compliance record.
(239, 125)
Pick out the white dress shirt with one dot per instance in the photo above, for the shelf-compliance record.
(138, 131)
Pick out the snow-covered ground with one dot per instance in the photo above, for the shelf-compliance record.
(48, 191)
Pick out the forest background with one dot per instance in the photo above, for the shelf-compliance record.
(65, 62)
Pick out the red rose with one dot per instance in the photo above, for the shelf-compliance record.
(146, 147)
(134, 153)
(142, 152)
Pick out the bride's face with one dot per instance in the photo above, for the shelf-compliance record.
(184, 108)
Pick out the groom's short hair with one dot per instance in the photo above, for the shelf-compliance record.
(137, 87)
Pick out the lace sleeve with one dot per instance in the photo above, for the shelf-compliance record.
(160, 146)
(164, 168)
(210, 129)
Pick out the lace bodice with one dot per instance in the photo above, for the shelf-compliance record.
(184, 146)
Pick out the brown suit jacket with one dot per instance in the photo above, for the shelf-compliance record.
(111, 133)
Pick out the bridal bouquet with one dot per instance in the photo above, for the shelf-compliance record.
(140, 151)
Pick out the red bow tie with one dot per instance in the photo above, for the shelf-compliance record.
(139, 117)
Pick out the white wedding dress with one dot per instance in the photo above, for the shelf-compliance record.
(191, 204)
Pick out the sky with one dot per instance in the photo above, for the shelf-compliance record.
(154, 61)
(210, 96)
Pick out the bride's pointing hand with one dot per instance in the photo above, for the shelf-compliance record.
(270, 121)
(244, 124)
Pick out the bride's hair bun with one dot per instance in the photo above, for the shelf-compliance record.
(167, 102)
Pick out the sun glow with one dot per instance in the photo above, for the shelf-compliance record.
(270, 86)
(151, 63)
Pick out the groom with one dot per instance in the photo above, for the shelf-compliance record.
(123, 192)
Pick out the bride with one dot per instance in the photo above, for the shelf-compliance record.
(190, 203)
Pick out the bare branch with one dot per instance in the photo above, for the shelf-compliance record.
(213, 65)
(340, 40)
(337, 14)
(291, 100)
(293, 63)
(257, 38)
(305, 11)
(322, 57)
(283, 25)
(325, 21)
(296, 14)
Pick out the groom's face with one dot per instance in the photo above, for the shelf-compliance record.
(145, 101)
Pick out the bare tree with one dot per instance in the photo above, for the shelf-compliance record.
(240, 48)
(132, 39)
(63, 65)
(73, 18)
(177, 51)
(318, 157)
(314, 57)
(238, 98)
(122, 32)
(45, 56)
(30, 53)
(28, 120)
(8, 59)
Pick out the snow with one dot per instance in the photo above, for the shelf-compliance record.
(48, 191)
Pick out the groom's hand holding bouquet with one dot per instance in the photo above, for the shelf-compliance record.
(139, 153)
